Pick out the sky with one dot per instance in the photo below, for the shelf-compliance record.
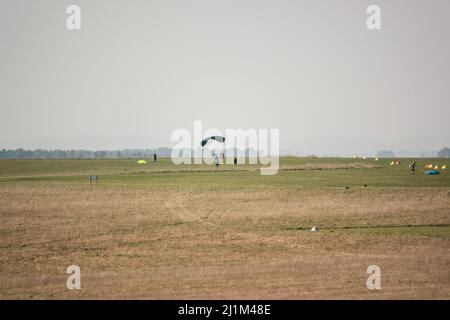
(138, 70)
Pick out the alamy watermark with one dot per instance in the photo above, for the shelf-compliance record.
(374, 19)
(74, 278)
(73, 21)
(374, 279)
(211, 146)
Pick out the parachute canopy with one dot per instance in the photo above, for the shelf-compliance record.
(142, 162)
(432, 172)
(217, 138)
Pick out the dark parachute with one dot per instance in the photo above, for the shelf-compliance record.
(217, 138)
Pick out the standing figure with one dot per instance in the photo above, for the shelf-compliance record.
(216, 160)
(413, 167)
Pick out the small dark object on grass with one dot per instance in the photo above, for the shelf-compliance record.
(365, 185)
(347, 187)
(93, 178)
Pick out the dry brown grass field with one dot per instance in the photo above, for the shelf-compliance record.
(154, 233)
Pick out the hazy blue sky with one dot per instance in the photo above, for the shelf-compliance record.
(137, 70)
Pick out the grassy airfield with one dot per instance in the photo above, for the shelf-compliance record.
(165, 231)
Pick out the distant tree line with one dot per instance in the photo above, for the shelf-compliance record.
(83, 154)
(109, 154)
(137, 153)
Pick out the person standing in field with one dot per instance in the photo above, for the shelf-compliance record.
(413, 167)
(216, 160)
